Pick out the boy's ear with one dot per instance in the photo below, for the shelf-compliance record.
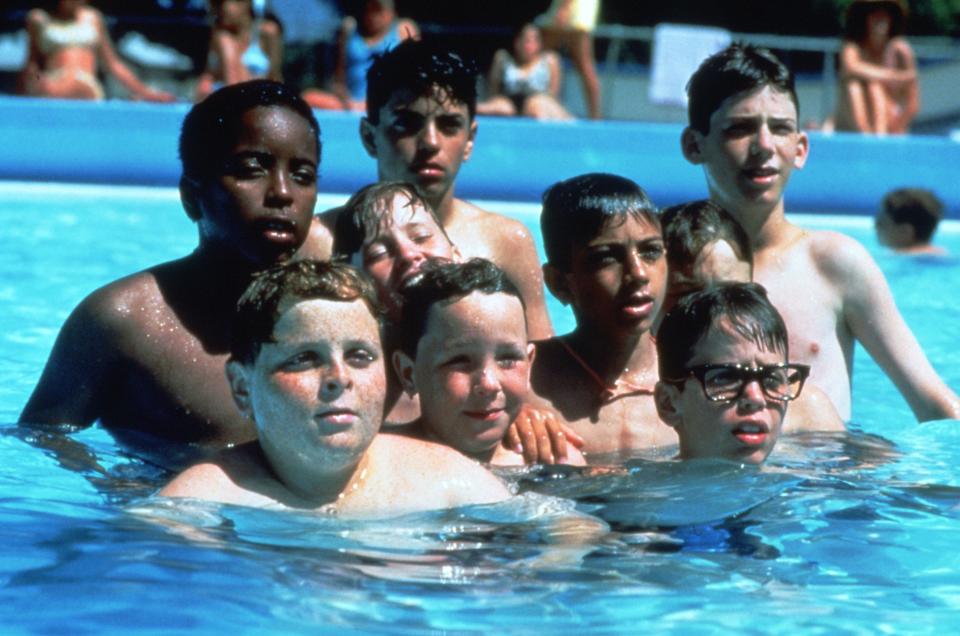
(556, 281)
(190, 197)
(803, 150)
(531, 354)
(403, 366)
(468, 149)
(368, 137)
(691, 143)
(665, 397)
(240, 388)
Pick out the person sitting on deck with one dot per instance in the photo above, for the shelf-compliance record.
(64, 47)
(307, 369)
(744, 131)
(144, 355)
(420, 126)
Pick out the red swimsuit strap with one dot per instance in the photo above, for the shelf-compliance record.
(608, 393)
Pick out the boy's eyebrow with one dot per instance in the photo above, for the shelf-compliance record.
(263, 154)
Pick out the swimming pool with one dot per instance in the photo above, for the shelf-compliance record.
(853, 534)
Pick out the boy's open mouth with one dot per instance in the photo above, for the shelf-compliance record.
(277, 229)
(751, 433)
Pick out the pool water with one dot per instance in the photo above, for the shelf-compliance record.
(838, 534)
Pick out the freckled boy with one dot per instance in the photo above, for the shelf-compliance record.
(464, 351)
(307, 369)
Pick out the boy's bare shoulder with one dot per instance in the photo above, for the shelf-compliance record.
(125, 303)
(225, 478)
(836, 254)
(492, 223)
(437, 470)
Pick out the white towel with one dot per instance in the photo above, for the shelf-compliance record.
(678, 49)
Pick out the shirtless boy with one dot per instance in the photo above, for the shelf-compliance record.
(706, 246)
(743, 131)
(605, 258)
(464, 352)
(307, 369)
(144, 355)
(420, 127)
(725, 373)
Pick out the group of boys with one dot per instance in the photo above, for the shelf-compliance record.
(435, 336)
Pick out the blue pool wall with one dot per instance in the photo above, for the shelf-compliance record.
(515, 159)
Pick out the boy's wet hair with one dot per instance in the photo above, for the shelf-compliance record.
(919, 207)
(368, 209)
(259, 307)
(447, 282)
(576, 210)
(737, 68)
(690, 227)
(855, 21)
(421, 66)
(211, 127)
(743, 306)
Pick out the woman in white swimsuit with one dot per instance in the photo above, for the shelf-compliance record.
(525, 81)
(65, 46)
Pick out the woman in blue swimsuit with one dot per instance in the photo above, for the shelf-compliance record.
(244, 44)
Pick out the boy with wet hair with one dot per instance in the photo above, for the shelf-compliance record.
(705, 244)
(606, 259)
(389, 230)
(420, 127)
(706, 247)
(464, 352)
(744, 132)
(307, 369)
(907, 220)
(725, 373)
(144, 355)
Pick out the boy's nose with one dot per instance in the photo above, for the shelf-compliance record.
(278, 192)
(429, 136)
(762, 141)
(487, 381)
(334, 382)
(751, 397)
(636, 268)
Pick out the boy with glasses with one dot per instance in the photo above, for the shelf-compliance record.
(725, 375)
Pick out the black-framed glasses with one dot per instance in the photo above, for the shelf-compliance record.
(726, 382)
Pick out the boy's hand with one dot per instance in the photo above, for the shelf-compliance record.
(540, 437)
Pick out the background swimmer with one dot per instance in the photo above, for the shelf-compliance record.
(908, 219)
(725, 373)
(307, 368)
(464, 352)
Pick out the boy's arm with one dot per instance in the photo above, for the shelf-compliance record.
(517, 257)
(872, 315)
(70, 390)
